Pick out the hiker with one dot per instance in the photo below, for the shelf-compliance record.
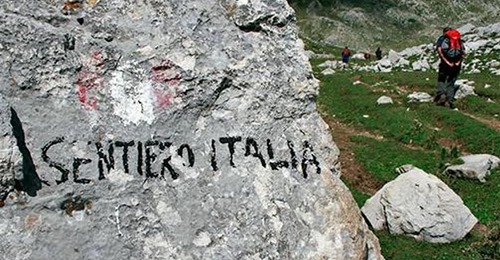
(346, 53)
(451, 52)
(378, 53)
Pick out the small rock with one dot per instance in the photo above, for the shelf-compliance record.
(419, 97)
(328, 71)
(384, 100)
(359, 56)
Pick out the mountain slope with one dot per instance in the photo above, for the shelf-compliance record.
(366, 24)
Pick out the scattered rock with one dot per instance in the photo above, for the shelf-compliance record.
(310, 54)
(422, 65)
(420, 205)
(419, 97)
(466, 29)
(328, 71)
(358, 56)
(465, 88)
(393, 56)
(403, 62)
(384, 100)
(476, 166)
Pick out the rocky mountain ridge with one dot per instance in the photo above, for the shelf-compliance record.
(367, 24)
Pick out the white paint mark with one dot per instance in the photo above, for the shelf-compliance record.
(133, 102)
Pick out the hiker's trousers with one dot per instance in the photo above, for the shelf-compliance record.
(446, 80)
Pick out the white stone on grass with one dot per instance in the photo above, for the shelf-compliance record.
(328, 71)
(384, 100)
(419, 97)
(476, 166)
(465, 88)
(419, 205)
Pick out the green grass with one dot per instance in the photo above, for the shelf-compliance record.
(481, 198)
(402, 247)
(411, 135)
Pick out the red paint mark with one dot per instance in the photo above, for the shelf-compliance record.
(166, 73)
(87, 81)
(163, 98)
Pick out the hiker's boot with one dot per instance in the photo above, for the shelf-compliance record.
(449, 104)
(440, 100)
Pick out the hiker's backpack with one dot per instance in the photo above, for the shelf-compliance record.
(452, 45)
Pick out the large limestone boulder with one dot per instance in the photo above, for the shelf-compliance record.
(10, 158)
(420, 205)
(167, 130)
(475, 166)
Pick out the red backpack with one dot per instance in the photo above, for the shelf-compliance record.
(454, 48)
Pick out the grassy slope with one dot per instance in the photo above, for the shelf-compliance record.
(413, 133)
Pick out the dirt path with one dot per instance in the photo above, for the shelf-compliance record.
(495, 124)
(351, 170)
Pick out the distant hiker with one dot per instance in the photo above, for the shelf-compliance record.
(346, 53)
(451, 52)
(378, 53)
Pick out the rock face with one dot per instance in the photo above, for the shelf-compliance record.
(419, 205)
(475, 166)
(10, 159)
(166, 130)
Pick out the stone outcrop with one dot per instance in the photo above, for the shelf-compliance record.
(420, 205)
(166, 130)
(475, 166)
